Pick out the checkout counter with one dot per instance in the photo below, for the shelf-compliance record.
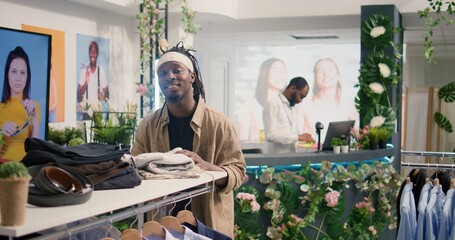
(257, 154)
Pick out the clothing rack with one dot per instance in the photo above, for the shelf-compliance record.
(428, 154)
(435, 166)
(127, 213)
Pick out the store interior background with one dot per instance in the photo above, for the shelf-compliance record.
(226, 27)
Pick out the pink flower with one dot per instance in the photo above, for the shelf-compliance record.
(366, 205)
(141, 89)
(372, 230)
(255, 206)
(332, 198)
(246, 196)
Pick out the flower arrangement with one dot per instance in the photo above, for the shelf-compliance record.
(247, 202)
(359, 224)
(310, 203)
(359, 138)
(247, 209)
(378, 73)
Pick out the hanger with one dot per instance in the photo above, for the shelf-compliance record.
(185, 216)
(427, 172)
(452, 180)
(408, 180)
(416, 170)
(171, 222)
(436, 179)
(153, 228)
(131, 233)
(106, 237)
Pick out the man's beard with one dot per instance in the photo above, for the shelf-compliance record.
(174, 98)
(293, 100)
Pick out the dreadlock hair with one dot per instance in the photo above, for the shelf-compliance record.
(198, 86)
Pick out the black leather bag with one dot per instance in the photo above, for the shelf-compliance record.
(52, 186)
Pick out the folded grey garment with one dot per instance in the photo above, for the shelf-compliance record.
(168, 161)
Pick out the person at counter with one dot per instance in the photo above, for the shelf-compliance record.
(281, 118)
(205, 136)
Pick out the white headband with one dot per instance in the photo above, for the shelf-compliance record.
(175, 56)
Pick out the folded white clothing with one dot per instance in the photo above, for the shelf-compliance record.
(154, 162)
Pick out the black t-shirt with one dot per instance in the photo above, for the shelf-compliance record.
(180, 135)
(180, 132)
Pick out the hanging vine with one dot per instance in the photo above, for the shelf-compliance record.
(438, 12)
(151, 30)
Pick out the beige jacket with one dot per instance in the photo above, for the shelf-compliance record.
(215, 141)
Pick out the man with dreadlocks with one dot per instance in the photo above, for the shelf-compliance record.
(205, 136)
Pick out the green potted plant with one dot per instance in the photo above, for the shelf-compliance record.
(336, 144)
(344, 145)
(383, 135)
(14, 180)
(66, 136)
(373, 136)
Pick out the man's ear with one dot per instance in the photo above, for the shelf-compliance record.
(193, 76)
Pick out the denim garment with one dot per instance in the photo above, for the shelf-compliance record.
(433, 213)
(408, 223)
(423, 202)
(447, 216)
(452, 234)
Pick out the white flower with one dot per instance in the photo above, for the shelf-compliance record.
(377, 121)
(384, 70)
(376, 87)
(377, 31)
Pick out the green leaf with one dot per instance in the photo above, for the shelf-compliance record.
(447, 92)
(381, 41)
(443, 122)
(288, 196)
(385, 112)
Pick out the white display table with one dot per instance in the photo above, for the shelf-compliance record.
(105, 201)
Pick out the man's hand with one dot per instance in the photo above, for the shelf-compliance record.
(198, 160)
(306, 137)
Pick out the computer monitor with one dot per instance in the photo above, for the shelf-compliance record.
(337, 129)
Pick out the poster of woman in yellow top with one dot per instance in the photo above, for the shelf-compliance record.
(57, 78)
(25, 58)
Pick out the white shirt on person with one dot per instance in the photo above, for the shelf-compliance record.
(92, 88)
(281, 122)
